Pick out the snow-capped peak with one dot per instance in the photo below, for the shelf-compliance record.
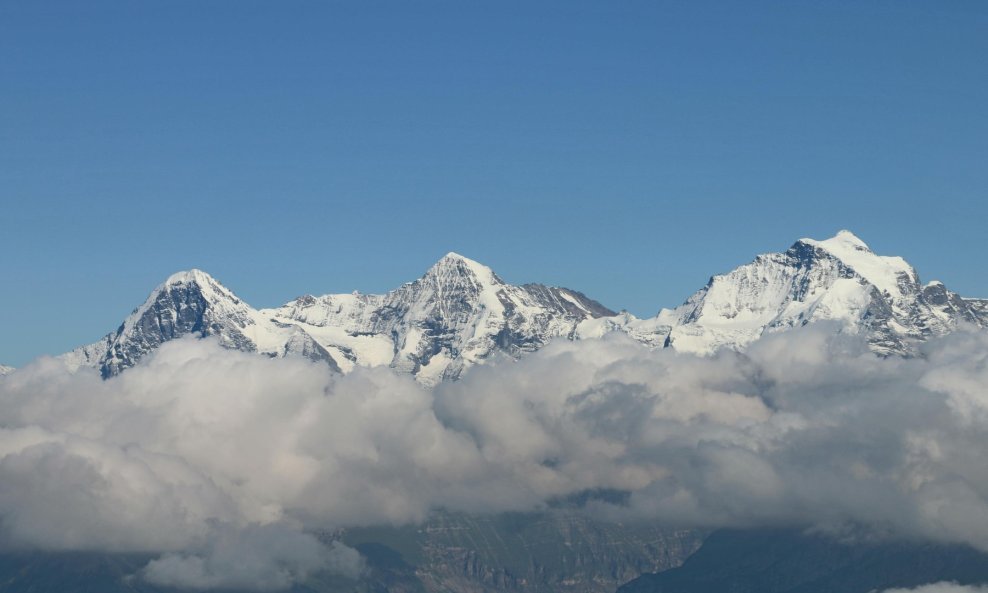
(454, 265)
(838, 279)
(844, 240)
(194, 282)
(6, 370)
(210, 288)
(189, 277)
(888, 274)
(192, 302)
(457, 314)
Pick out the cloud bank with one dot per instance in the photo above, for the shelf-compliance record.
(260, 558)
(203, 455)
(943, 587)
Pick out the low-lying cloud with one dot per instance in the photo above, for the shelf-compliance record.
(201, 454)
(257, 558)
(942, 587)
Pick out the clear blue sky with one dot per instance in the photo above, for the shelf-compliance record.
(626, 149)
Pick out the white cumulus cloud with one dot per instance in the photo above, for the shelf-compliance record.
(201, 454)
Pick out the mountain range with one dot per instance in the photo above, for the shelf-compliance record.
(456, 315)
(460, 313)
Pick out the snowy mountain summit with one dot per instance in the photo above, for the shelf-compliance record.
(6, 370)
(460, 313)
(193, 302)
(840, 279)
(456, 315)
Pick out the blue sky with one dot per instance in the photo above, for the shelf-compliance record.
(628, 150)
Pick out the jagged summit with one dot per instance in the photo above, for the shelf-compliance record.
(453, 265)
(838, 279)
(196, 279)
(199, 280)
(454, 256)
(193, 303)
(888, 274)
(843, 240)
(459, 313)
(453, 259)
(188, 276)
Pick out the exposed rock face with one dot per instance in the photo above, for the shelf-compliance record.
(193, 303)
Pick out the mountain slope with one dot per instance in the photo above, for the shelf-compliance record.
(839, 280)
(194, 303)
(458, 314)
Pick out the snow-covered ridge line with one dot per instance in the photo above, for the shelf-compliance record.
(460, 313)
(6, 370)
